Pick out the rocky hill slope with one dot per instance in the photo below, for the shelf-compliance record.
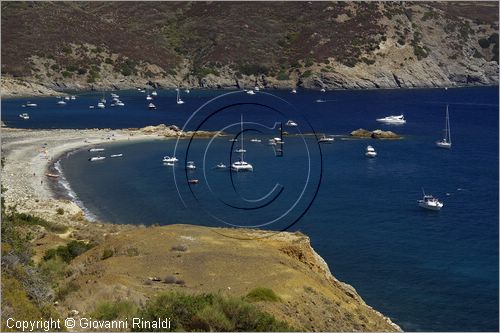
(95, 45)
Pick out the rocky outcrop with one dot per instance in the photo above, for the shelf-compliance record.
(376, 134)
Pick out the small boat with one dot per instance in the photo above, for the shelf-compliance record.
(323, 90)
(278, 141)
(294, 91)
(142, 90)
(179, 100)
(61, 102)
(187, 91)
(393, 120)
(256, 140)
(326, 139)
(24, 116)
(169, 164)
(429, 202)
(221, 166)
(257, 88)
(251, 92)
(73, 97)
(32, 105)
(101, 105)
(233, 140)
(91, 107)
(193, 181)
(52, 175)
(119, 103)
(169, 159)
(96, 158)
(291, 123)
(149, 98)
(446, 141)
(370, 152)
(66, 98)
(151, 106)
(241, 165)
(95, 149)
(154, 93)
(190, 165)
(240, 150)
(271, 142)
(116, 155)
(113, 95)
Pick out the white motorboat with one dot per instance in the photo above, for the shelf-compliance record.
(323, 90)
(149, 98)
(221, 166)
(113, 95)
(73, 97)
(154, 93)
(169, 163)
(251, 92)
(370, 152)
(256, 140)
(241, 165)
(96, 158)
(257, 88)
(190, 165)
(119, 103)
(291, 123)
(320, 100)
(91, 107)
(294, 91)
(179, 100)
(32, 105)
(168, 159)
(101, 105)
(61, 102)
(429, 202)
(95, 149)
(446, 141)
(151, 106)
(326, 139)
(393, 120)
(24, 116)
(66, 98)
(142, 90)
(240, 150)
(233, 140)
(187, 91)
(278, 141)
(116, 155)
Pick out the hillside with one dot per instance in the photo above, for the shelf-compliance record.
(82, 45)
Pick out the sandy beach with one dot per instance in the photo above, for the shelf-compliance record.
(27, 155)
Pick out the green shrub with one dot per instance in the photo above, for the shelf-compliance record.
(484, 43)
(69, 251)
(55, 67)
(107, 253)
(67, 289)
(67, 74)
(253, 69)
(210, 312)
(109, 61)
(60, 211)
(132, 252)
(307, 74)
(117, 310)
(368, 61)
(27, 219)
(282, 76)
(262, 294)
(66, 49)
(82, 71)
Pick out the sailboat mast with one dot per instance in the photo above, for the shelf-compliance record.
(241, 127)
(448, 124)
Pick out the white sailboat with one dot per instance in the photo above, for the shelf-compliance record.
(429, 202)
(446, 141)
(241, 165)
(179, 100)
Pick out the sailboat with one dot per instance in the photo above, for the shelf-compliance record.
(446, 142)
(241, 165)
(179, 100)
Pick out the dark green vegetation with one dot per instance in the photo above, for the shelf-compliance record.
(205, 312)
(262, 294)
(67, 252)
(270, 38)
(26, 290)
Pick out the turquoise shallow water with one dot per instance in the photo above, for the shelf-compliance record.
(427, 271)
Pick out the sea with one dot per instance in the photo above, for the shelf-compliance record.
(426, 270)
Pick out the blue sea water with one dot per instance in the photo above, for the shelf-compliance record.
(428, 271)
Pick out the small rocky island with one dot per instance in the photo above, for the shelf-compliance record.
(376, 134)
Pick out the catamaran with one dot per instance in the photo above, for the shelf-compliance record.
(446, 142)
(241, 165)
